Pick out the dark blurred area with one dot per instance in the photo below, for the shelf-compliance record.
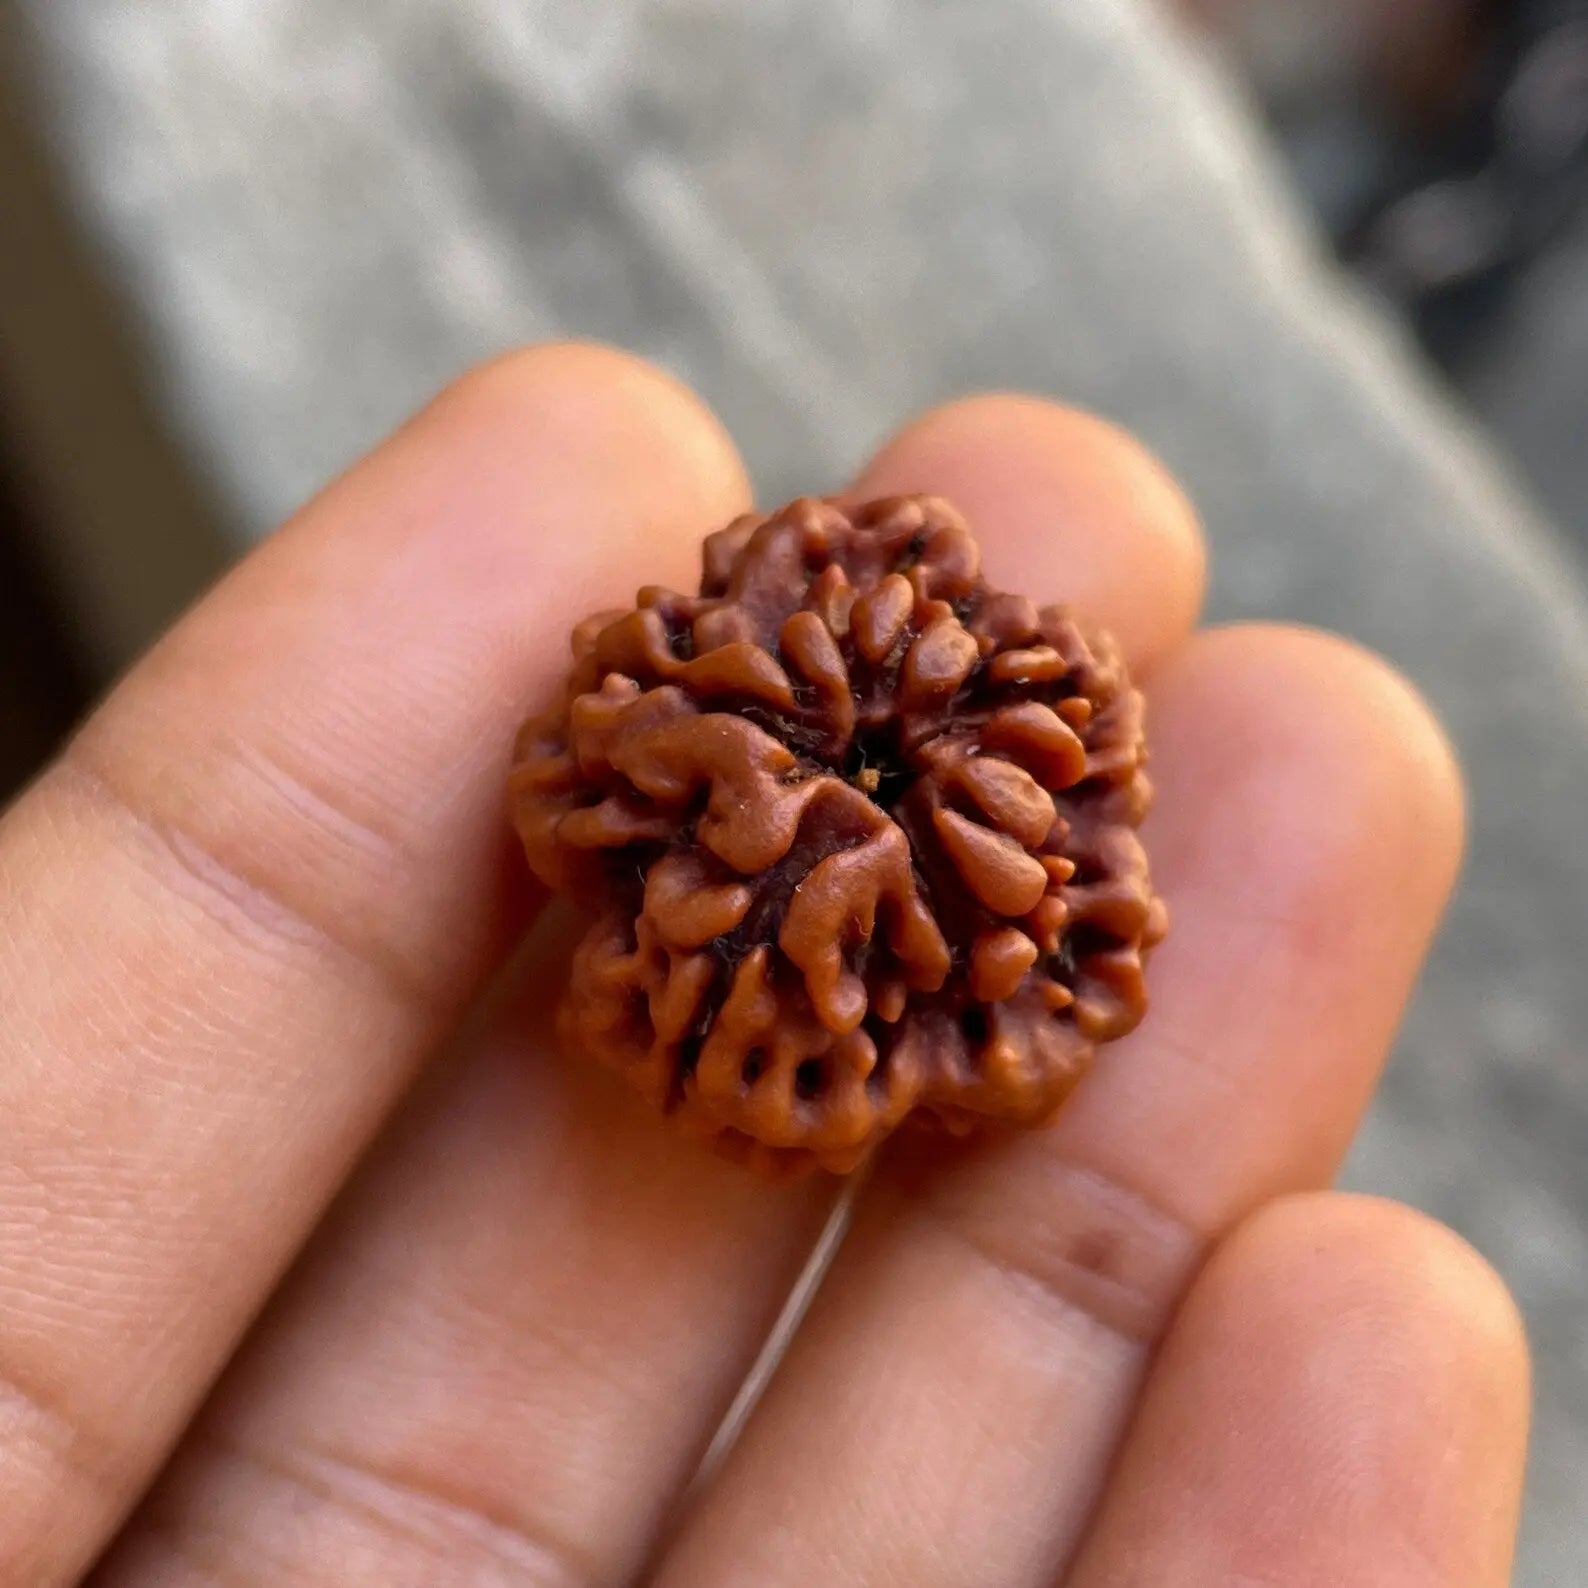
(105, 529)
(1485, 169)
(1443, 147)
(43, 683)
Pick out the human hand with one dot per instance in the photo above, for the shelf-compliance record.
(260, 889)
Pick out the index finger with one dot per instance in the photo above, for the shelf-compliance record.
(263, 881)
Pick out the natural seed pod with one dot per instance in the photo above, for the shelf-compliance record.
(858, 833)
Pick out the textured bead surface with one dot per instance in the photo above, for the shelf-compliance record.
(858, 836)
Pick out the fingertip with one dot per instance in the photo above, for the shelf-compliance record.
(1316, 705)
(583, 400)
(1400, 1350)
(335, 721)
(1390, 1274)
(1347, 1380)
(1068, 507)
(1306, 833)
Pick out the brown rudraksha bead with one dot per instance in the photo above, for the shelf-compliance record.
(858, 833)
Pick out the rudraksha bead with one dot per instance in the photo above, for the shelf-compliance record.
(857, 835)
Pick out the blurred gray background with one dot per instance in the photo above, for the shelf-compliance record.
(245, 240)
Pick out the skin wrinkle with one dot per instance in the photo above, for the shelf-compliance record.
(264, 910)
(376, 832)
(1126, 1281)
(404, 1507)
(38, 1422)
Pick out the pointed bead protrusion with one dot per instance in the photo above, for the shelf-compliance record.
(994, 867)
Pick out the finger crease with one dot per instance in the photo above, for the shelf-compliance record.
(408, 1508)
(1079, 1238)
(256, 906)
(41, 1432)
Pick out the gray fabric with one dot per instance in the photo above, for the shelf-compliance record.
(825, 214)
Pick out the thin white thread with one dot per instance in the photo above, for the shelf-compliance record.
(798, 1303)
